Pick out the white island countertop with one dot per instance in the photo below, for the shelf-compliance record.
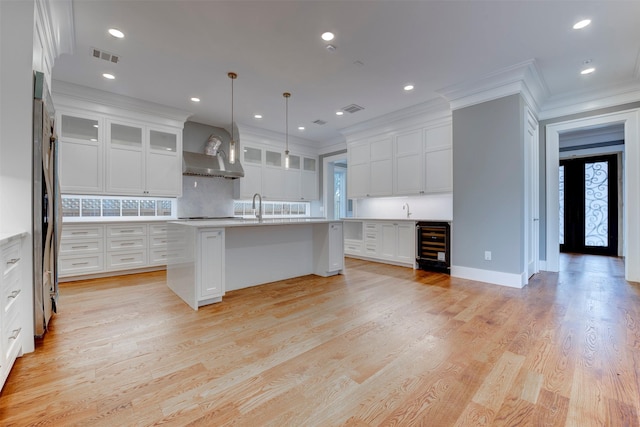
(251, 222)
(398, 219)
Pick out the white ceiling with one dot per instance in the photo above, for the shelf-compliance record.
(177, 49)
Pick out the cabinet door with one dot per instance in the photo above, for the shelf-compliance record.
(358, 180)
(211, 264)
(336, 247)
(388, 240)
(164, 164)
(80, 157)
(252, 181)
(406, 238)
(408, 163)
(273, 177)
(309, 179)
(381, 164)
(292, 185)
(438, 171)
(125, 159)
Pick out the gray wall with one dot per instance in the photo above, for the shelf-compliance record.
(543, 161)
(488, 185)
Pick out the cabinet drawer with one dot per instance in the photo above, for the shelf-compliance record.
(370, 226)
(158, 229)
(126, 259)
(158, 241)
(84, 231)
(370, 249)
(12, 334)
(115, 243)
(158, 256)
(352, 246)
(72, 265)
(11, 256)
(11, 289)
(126, 230)
(80, 246)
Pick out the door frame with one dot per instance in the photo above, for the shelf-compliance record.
(631, 186)
(532, 198)
(327, 184)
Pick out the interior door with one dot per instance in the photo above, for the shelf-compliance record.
(589, 205)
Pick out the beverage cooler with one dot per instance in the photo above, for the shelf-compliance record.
(434, 246)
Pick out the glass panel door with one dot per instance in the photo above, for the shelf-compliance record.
(589, 205)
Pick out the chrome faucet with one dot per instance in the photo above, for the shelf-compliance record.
(406, 206)
(253, 206)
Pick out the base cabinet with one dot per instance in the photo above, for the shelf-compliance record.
(210, 265)
(387, 241)
(88, 249)
(13, 306)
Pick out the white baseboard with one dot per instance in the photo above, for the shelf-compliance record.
(542, 265)
(494, 277)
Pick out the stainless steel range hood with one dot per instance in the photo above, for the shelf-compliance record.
(205, 165)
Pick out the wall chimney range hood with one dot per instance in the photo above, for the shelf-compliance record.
(200, 164)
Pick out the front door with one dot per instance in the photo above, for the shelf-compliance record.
(589, 205)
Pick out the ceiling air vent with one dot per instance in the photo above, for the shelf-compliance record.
(101, 54)
(353, 108)
(320, 122)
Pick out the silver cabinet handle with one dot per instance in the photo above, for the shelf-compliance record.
(13, 260)
(127, 243)
(14, 294)
(80, 263)
(127, 259)
(80, 247)
(127, 231)
(79, 232)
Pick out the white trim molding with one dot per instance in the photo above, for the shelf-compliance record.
(510, 280)
(523, 78)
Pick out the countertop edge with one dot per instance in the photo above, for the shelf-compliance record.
(252, 222)
(7, 236)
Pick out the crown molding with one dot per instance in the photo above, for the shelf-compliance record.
(581, 102)
(404, 119)
(56, 18)
(72, 95)
(523, 78)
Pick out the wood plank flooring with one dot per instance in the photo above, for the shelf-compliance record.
(378, 346)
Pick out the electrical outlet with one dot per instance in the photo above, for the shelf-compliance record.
(487, 255)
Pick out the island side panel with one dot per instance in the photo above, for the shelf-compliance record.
(263, 254)
(181, 258)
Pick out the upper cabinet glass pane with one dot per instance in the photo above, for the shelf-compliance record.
(126, 135)
(309, 164)
(163, 141)
(79, 128)
(294, 162)
(273, 158)
(253, 155)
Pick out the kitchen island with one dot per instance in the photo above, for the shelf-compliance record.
(206, 258)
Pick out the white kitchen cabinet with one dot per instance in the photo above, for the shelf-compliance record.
(107, 249)
(81, 153)
(391, 241)
(328, 248)
(408, 164)
(370, 171)
(438, 159)
(210, 264)
(265, 173)
(13, 307)
(142, 160)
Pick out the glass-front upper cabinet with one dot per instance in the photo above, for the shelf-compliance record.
(163, 141)
(294, 162)
(253, 155)
(79, 128)
(127, 136)
(273, 158)
(309, 164)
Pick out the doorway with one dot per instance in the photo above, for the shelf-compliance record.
(630, 119)
(589, 205)
(336, 204)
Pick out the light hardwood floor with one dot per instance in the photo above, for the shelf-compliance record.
(379, 345)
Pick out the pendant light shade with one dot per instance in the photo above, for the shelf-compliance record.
(232, 143)
(286, 129)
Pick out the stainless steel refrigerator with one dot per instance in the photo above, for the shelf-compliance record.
(47, 222)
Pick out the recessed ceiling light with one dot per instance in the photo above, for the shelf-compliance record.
(327, 36)
(195, 99)
(257, 116)
(587, 71)
(95, 126)
(581, 24)
(408, 87)
(116, 33)
(93, 140)
(339, 113)
(300, 127)
(108, 76)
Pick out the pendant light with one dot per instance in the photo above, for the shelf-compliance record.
(232, 143)
(286, 130)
